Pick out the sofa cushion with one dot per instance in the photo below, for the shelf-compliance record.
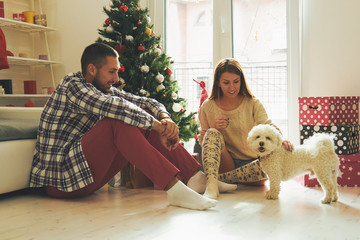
(15, 129)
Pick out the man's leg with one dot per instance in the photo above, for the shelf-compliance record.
(113, 141)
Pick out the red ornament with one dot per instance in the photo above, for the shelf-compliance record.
(168, 71)
(141, 48)
(182, 110)
(122, 69)
(164, 96)
(108, 21)
(139, 23)
(196, 136)
(120, 48)
(137, 9)
(124, 8)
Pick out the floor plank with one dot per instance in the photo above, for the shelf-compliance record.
(119, 213)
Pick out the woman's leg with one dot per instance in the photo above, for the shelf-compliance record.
(212, 147)
(250, 174)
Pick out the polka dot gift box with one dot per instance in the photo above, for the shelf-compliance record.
(349, 173)
(329, 110)
(346, 139)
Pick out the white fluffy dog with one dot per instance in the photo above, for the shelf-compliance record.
(316, 156)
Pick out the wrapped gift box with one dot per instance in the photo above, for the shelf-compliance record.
(346, 139)
(349, 173)
(329, 110)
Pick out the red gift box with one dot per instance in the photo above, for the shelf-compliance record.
(329, 110)
(349, 173)
(29, 87)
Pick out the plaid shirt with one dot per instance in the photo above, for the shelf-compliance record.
(71, 111)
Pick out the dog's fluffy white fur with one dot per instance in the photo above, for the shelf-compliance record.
(316, 156)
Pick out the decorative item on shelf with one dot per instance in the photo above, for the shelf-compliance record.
(29, 16)
(7, 85)
(40, 19)
(23, 55)
(47, 90)
(43, 57)
(2, 9)
(19, 17)
(30, 87)
(2, 90)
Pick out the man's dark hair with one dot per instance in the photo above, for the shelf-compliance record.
(96, 54)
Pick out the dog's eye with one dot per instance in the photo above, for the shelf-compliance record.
(257, 137)
(267, 138)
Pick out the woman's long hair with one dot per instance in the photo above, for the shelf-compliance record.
(229, 65)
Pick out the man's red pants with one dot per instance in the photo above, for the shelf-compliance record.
(110, 144)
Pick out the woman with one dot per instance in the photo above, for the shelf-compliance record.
(226, 118)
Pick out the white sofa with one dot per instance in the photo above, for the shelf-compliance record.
(16, 155)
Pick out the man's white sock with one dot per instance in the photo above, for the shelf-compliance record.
(182, 196)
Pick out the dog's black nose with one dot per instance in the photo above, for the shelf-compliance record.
(261, 144)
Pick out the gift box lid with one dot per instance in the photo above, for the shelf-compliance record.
(329, 100)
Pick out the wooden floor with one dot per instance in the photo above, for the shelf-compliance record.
(119, 213)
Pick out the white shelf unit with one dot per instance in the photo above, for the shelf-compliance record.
(31, 28)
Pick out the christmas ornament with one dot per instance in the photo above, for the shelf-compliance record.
(165, 95)
(148, 19)
(121, 69)
(176, 107)
(160, 88)
(139, 23)
(145, 68)
(148, 31)
(109, 29)
(129, 38)
(159, 78)
(157, 51)
(141, 48)
(123, 8)
(174, 95)
(143, 92)
(108, 21)
(168, 71)
(120, 48)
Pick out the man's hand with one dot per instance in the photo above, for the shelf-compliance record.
(166, 132)
(171, 129)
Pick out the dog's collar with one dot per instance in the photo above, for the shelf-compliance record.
(264, 157)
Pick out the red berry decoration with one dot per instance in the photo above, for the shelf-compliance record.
(139, 23)
(122, 69)
(124, 8)
(141, 48)
(108, 21)
(168, 71)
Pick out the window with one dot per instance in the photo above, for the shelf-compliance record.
(258, 39)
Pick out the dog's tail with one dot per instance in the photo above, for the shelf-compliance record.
(321, 142)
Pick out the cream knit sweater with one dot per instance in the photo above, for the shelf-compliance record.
(249, 113)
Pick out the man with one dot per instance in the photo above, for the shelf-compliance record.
(89, 130)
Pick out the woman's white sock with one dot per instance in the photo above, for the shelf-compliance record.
(182, 196)
(198, 184)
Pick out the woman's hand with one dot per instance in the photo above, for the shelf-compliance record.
(288, 145)
(222, 122)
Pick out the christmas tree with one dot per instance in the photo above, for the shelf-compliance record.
(145, 69)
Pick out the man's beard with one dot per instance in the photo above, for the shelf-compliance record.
(97, 84)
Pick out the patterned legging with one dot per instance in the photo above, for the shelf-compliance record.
(212, 147)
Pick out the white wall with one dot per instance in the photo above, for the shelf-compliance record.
(330, 48)
(77, 23)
